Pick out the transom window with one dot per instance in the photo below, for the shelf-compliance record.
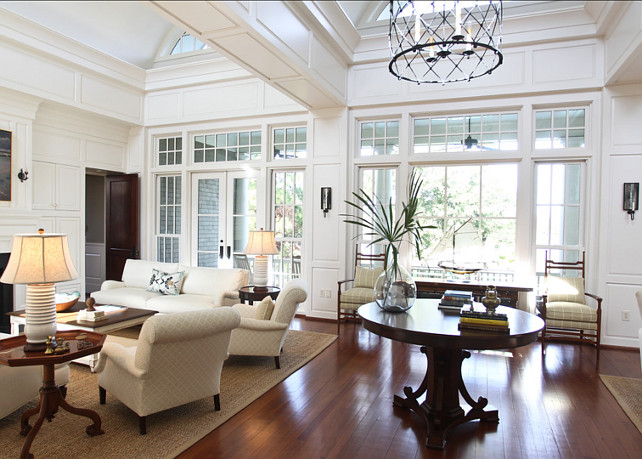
(487, 131)
(169, 218)
(187, 44)
(379, 138)
(564, 128)
(227, 146)
(170, 151)
(290, 142)
(474, 208)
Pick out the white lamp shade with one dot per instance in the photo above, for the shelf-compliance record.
(39, 259)
(261, 243)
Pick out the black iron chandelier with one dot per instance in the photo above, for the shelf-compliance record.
(444, 41)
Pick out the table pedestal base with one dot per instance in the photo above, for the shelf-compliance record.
(50, 400)
(442, 385)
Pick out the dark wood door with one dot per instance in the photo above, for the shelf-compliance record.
(121, 204)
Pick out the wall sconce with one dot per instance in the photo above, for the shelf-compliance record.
(23, 175)
(631, 198)
(326, 200)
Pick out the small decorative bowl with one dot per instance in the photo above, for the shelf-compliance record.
(65, 301)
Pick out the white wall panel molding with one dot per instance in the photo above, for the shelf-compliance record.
(271, 39)
(214, 71)
(18, 105)
(623, 44)
(616, 331)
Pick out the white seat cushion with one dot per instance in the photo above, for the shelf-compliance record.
(180, 303)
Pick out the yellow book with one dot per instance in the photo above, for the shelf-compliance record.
(490, 322)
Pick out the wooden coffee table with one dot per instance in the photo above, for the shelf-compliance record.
(116, 320)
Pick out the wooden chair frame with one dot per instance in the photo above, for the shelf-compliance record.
(352, 315)
(570, 334)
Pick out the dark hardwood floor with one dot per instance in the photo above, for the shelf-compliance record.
(340, 405)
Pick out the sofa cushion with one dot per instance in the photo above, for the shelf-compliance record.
(264, 309)
(138, 272)
(168, 304)
(165, 283)
(366, 277)
(126, 296)
(212, 282)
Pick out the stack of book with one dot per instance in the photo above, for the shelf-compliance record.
(455, 300)
(477, 320)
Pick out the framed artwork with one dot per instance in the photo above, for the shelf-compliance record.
(5, 165)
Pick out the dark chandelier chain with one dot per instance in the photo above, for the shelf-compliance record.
(447, 42)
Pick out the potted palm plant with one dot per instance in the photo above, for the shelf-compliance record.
(395, 289)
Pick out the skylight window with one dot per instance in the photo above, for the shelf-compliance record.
(188, 44)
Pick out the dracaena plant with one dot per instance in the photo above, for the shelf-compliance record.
(377, 219)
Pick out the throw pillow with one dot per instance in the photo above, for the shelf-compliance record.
(165, 283)
(570, 289)
(264, 309)
(366, 277)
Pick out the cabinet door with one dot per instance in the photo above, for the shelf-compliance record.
(67, 187)
(44, 185)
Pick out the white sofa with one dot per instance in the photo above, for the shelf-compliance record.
(202, 288)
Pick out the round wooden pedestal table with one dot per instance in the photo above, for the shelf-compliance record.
(445, 348)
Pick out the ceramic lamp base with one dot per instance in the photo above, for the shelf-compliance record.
(40, 314)
(260, 271)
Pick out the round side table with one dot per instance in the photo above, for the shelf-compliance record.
(251, 293)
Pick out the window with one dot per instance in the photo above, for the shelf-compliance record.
(381, 186)
(488, 131)
(474, 209)
(290, 142)
(169, 218)
(227, 146)
(563, 128)
(559, 226)
(170, 151)
(288, 225)
(187, 44)
(379, 138)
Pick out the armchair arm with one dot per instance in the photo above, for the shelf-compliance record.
(111, 284)
(121, 356)
(339, 284)
(262, 325)
(596, 298)
(232, 295)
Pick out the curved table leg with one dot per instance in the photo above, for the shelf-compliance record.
(442, 384)
(50, 399)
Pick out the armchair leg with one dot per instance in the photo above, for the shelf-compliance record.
(217, 402)
(103, 395)
(277, 362)
(142, 425)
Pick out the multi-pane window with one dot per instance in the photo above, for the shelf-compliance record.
(287, 201)
(243, 211)
(290, 142)
(474, 208)
(227, 146)
(559, 201)
(563, 128)
(381, 186)
(187, 44)
(169, 218)
(487, 131)
(379, 138)
(170, 151)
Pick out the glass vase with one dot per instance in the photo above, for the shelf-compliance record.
(395, 289)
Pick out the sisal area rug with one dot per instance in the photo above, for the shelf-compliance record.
(628, 393)
(244, 379)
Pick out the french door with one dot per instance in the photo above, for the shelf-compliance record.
(224, 210)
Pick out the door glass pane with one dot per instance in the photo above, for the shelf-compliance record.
(208, 224)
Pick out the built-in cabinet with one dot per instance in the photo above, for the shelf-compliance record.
(55, 186)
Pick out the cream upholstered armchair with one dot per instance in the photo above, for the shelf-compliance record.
(262, 331)
(564, 308)
(178, 359)
(638, 296)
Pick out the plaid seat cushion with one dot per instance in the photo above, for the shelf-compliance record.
(570, 315)
(355, 297)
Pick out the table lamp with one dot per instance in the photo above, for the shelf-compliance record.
(39, 260)
(261, 243)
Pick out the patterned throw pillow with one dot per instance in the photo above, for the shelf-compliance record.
(264, 309)
(165, 283)
(366, 277)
